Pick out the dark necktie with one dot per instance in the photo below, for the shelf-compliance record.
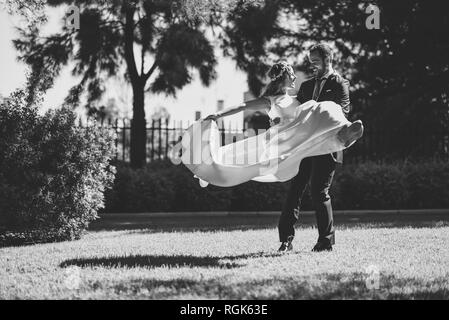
(316, 90)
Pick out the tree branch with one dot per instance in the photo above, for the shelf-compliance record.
(147, 75)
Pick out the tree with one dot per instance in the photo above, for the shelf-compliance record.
(104, 113)
(170, 40)
(399, 72)
(32, 11)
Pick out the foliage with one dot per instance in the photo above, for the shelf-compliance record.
(169, 35)
(162, 186)
(399, 73)
(397, 185)
(31, 11)
(52, 173)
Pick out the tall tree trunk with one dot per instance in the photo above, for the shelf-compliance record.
(138, 128)
(138, 124)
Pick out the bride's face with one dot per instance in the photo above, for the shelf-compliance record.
(290, 80)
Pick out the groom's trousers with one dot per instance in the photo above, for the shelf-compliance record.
(319, 170)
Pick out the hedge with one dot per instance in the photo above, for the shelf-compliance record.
(162, 186)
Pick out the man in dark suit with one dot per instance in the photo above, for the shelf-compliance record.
(327, 85)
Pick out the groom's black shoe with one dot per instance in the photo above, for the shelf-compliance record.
(286, 245)
(322, 246)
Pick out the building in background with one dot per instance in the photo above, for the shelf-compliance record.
(220, 106)
(197, 115)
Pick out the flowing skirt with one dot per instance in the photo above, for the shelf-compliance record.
(271, 156)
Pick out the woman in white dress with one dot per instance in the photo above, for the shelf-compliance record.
(298, 131)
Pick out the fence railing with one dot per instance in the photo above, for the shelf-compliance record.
(376, 145)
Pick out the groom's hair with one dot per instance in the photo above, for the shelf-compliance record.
(323, 50)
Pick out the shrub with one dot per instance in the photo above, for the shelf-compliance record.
(392, 185)
(428, 184)
(256, 196)
(162, 186)
(370, 186)
(137, 190)
(190, 196)
(52, 173)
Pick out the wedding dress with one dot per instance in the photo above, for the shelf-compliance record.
(304, 130)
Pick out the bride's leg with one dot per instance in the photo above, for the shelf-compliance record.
(350, 133)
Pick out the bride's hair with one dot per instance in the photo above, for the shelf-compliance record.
(278, 73)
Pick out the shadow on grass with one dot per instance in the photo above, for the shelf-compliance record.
(148, 261)
(320, 286)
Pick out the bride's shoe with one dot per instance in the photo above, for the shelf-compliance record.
(348, 134)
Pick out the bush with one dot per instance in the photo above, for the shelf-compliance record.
(393, 185)
(370, 186)
(135, 189)
(257, 196)
(428, 185)
(52, 173)
(162, 186)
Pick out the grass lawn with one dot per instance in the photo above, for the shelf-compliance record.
(413, 263)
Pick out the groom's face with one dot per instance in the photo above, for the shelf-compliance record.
(317, 64)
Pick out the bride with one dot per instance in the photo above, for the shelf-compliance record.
(298, 131)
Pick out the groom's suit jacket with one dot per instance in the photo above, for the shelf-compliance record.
(336, 89)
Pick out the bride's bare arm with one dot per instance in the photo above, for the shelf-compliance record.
(256, 104)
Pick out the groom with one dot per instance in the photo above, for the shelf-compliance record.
(327, 85)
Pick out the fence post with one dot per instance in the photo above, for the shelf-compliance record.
(222, 133)
(124, 139)
(160, 138)
(166, 138)
(116, 138)
(152, 139)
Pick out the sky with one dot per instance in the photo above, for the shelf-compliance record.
(229, 86)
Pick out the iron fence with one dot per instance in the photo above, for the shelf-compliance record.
(375, 145)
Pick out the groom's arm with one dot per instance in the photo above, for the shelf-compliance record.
(342, 94)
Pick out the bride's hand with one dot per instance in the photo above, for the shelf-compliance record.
(213, 117)
(274, 121)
